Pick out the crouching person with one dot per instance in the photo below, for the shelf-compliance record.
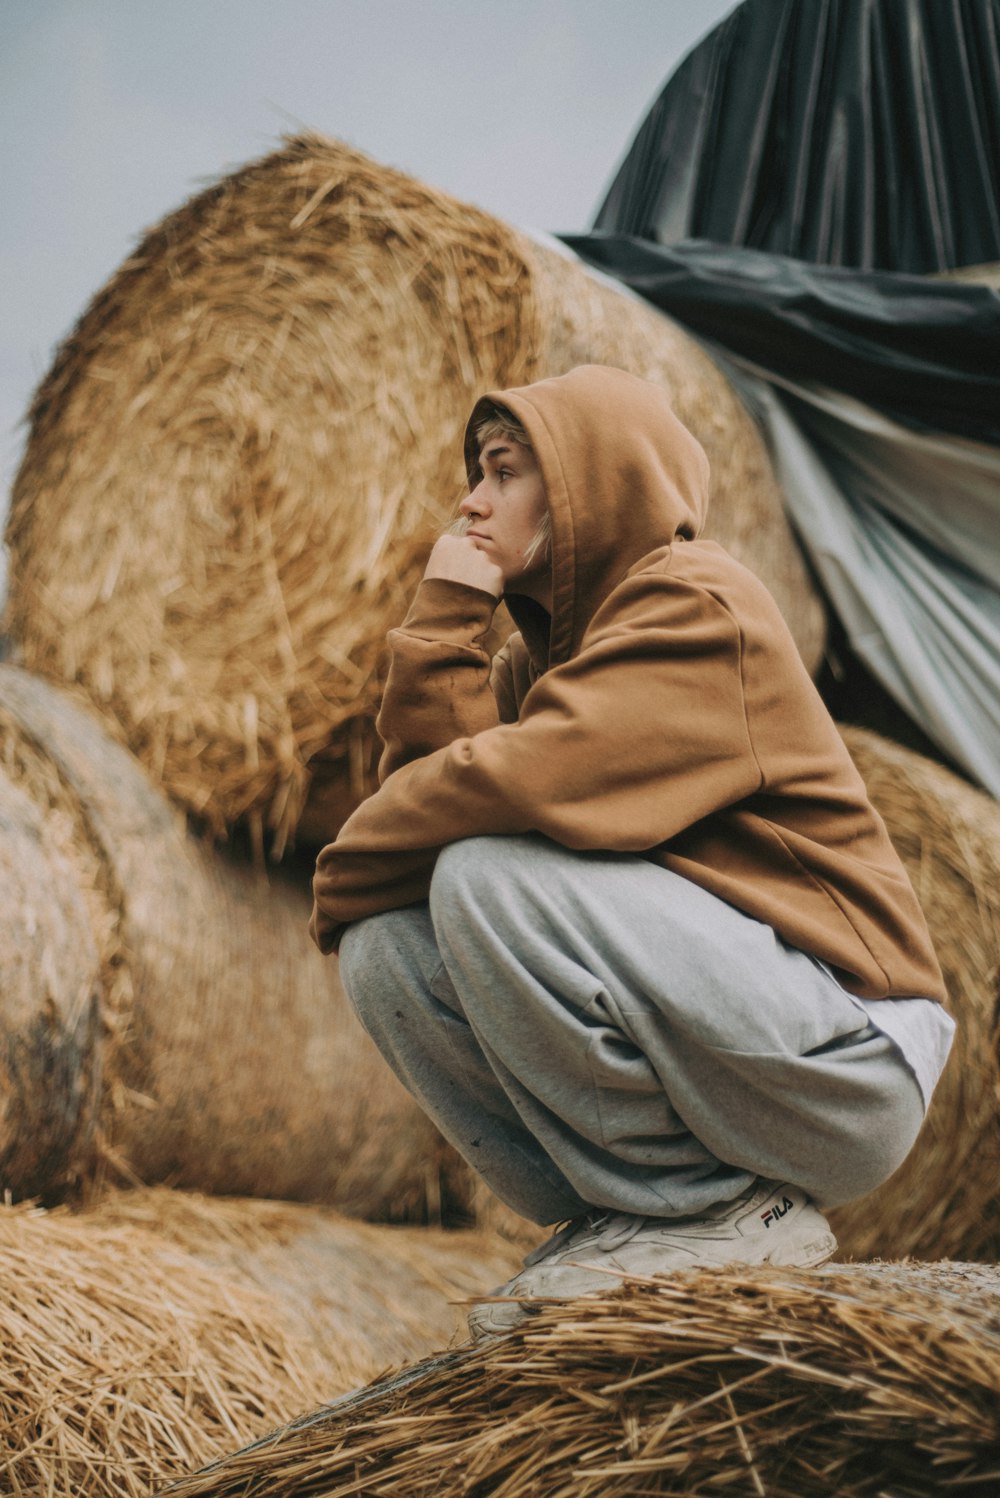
(621, 916)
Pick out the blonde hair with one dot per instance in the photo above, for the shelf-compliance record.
(499, 422)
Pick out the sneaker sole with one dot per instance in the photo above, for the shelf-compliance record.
(803, 1250)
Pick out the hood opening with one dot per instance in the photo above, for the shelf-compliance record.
(623, 477)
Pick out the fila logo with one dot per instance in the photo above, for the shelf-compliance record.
(778, 1210)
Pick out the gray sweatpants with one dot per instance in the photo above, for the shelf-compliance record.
(588, 1029)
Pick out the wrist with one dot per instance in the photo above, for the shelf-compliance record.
(448, 610)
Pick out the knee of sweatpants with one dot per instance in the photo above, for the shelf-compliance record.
(471, 873)
(866, 1160)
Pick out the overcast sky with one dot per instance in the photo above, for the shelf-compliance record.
(112, 112)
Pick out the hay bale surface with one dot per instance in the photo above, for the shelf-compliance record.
(164, 1015)
(157, 1331)
(861, 1380)
(50, 972)
(239, 458)
(943, 1201)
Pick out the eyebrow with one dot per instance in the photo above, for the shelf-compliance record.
(493, 452)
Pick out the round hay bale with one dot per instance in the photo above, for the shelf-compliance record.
(164, 1013)
(943, 1200)
(240, 455)
(156, 1332)
(857, 1380)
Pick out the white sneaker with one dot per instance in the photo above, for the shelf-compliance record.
(769, 1224)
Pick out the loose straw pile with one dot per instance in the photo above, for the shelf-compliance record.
(240, 456)
(144, 1338)
(859, 1381)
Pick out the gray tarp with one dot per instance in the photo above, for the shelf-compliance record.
(903, 530)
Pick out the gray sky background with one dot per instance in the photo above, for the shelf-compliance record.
(112, 112)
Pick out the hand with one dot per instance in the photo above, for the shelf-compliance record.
(457, 559)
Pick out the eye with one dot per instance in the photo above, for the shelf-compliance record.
(505, 473)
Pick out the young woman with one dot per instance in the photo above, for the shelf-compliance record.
(621, 916)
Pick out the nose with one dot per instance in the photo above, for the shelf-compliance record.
(475, 503)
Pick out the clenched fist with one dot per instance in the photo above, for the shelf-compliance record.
(457, 559)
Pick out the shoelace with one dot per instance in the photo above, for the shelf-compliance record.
(611, 1230)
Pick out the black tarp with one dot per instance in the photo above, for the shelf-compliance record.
(926, 352)
(802, 169)
(861, 133)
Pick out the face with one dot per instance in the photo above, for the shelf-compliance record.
(504, 512)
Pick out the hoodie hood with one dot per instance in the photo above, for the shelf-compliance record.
(623, 478)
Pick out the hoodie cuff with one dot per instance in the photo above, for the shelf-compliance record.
(326, 932)
(445, 610)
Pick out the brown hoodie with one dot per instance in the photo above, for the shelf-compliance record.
(663, 711)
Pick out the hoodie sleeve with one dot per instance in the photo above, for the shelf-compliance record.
(637, 737)
(438, 686)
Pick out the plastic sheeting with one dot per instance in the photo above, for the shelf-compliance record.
(859, 133)
(925, 351)
(903, 529)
